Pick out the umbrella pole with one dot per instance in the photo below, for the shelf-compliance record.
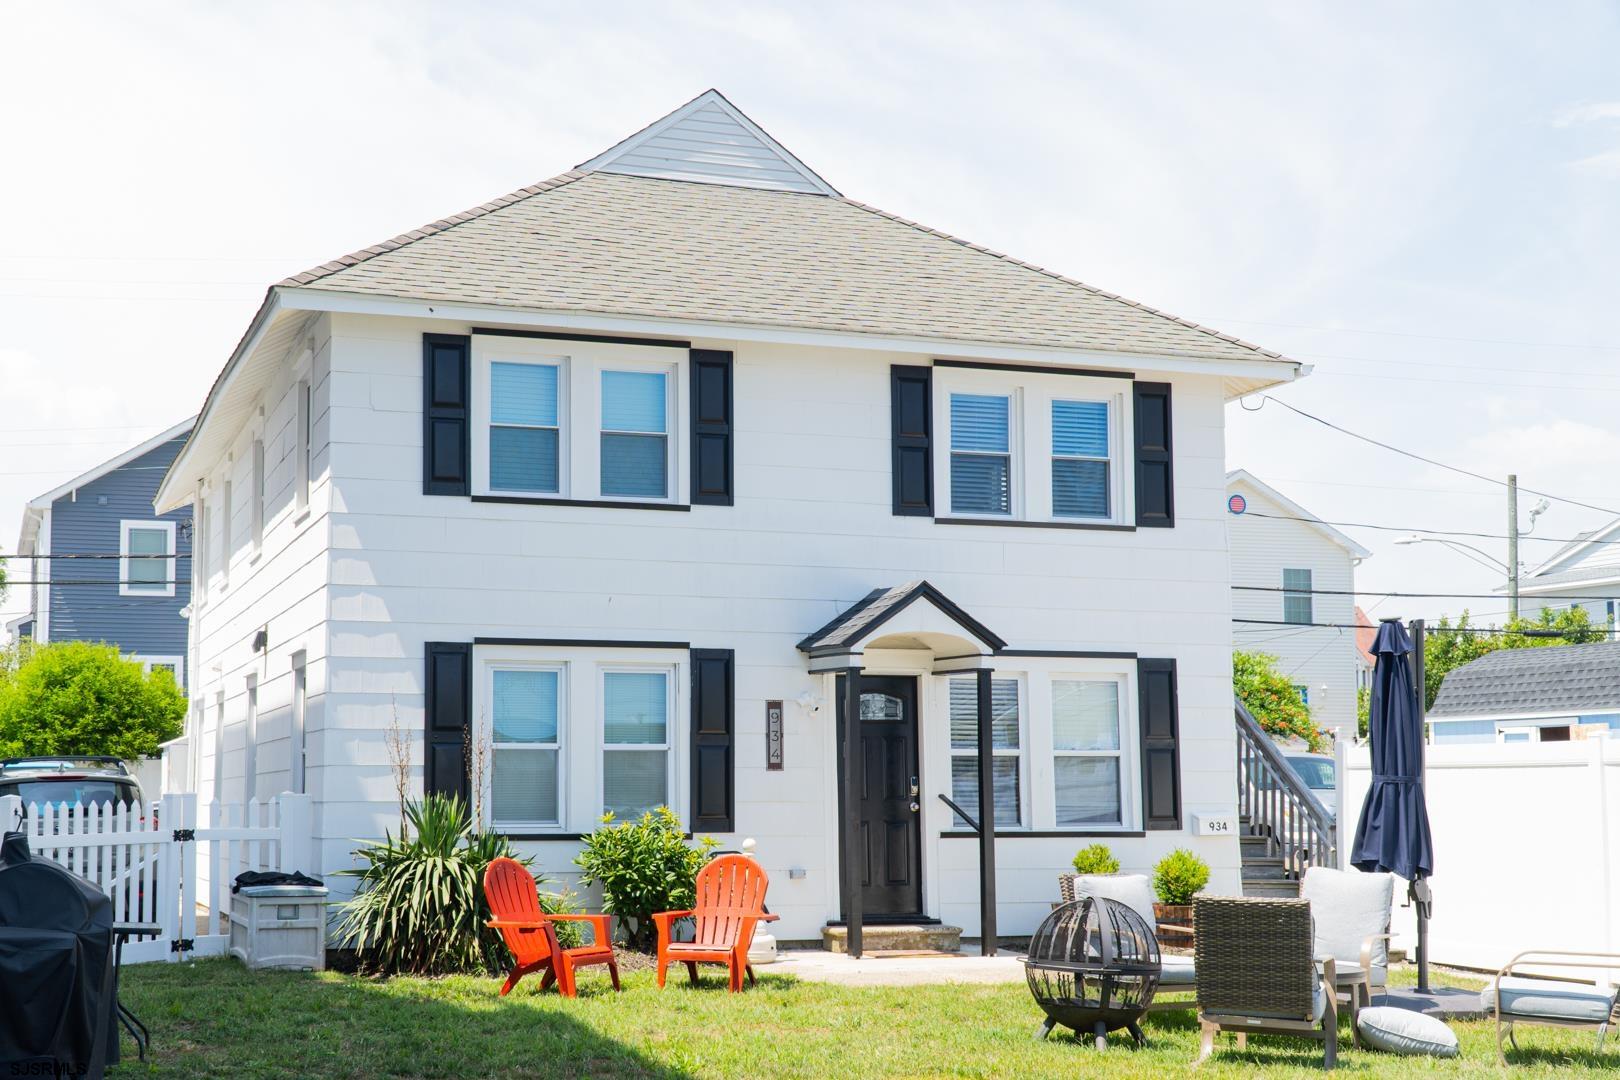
(1419, 889)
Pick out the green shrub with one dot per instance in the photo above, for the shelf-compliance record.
(420, 908)
(79, 697)
(1096, 859)
(1178, 876)
(644, 867)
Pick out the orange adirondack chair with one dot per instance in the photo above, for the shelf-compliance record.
(730, 902)
(529, 935)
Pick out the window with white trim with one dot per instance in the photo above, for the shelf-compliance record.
(636, 724)
(635, 434)
(227, 531)
(1081, 449)
(1034, 447)
(526, 707)
(525, 427)
(1007, 742)
(297, 754)
(1297, 607)
(174, 665)
(146, 562)
(305, 458)
(1088, 752)
(259, 496)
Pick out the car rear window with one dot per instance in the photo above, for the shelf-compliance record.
(1316, 772)
(66, 791)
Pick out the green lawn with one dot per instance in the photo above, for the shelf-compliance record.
(214, 1018)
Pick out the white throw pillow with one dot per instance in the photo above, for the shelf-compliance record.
(1400, 1031)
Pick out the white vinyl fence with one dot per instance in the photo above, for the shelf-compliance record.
(159, 865)
(1526, 847)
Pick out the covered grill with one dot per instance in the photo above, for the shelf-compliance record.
(1093, 966)
(57, 974)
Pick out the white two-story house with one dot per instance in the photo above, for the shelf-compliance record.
(683, 479)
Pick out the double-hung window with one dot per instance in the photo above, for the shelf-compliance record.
(1080, 460)
(526, 746)
(981, 454)
(1007, 749)
(1088, 759)
(635, 741)
(525, 427)
(146, 558)
(1297, 596)
(635, 434)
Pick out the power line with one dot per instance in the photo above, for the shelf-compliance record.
(100, 555)
(1424, 337)
(1417, 529)
(1402, 595)
(1428, 460)
(1429, 629)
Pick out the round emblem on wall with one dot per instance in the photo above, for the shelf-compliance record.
(1237, 504)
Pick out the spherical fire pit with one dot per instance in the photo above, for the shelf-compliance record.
(1093, 966)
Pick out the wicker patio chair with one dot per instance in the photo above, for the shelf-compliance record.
(1257, 973)
(1177, 974)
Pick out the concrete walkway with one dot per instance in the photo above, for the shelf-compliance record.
(818, 965)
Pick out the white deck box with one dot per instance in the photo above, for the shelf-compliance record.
(279, 926)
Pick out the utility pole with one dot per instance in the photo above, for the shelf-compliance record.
(1513, 547)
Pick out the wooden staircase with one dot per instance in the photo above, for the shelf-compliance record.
(1283, 827)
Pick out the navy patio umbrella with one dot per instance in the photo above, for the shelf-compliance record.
(1393, 833)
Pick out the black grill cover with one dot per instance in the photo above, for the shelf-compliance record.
(57, 990)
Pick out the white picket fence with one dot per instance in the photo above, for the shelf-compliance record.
(159, 866)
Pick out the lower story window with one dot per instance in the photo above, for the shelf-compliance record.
(1088, 763)
(635, 742)
(524, 770)
(1006, 728)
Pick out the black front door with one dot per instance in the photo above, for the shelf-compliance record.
(889, 861)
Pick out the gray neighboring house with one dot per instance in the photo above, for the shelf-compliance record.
(1551, 694)
(134, 603)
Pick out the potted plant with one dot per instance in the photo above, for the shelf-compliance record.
(1096, 859)
(1176, 879)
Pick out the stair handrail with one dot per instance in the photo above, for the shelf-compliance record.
(1290, 837)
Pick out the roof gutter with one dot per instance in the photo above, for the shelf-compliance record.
(166, 499)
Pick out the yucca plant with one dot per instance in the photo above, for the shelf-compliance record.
(420, 908)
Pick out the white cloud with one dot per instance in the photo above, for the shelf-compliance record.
(1588, 114)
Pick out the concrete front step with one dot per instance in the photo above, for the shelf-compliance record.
(898, 938)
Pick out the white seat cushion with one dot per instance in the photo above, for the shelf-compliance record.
(1547, 999)
(1401, 1031)
(1133, 890)
(1176, 972)
(1348, 907)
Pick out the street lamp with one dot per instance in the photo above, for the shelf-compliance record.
(1478, 556)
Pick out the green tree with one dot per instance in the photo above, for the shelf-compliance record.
(1447, 647)
(1272, 699)
(75, 697)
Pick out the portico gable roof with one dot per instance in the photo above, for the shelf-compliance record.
(861, 620)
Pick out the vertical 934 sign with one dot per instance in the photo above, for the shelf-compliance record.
(773, 736)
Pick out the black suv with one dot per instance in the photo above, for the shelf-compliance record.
(66, 781)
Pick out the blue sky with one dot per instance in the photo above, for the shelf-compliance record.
(1424, 202)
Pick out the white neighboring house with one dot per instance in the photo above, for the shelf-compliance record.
(1583, 573)
(576, 476)
(1277, 546)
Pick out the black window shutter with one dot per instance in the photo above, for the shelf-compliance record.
(1155, 472)
(711, 428)
(446, 425)
(448, 700)
(1161, 755)
(714, 726)
(911, 409)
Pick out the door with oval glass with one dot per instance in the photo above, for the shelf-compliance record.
(888, 808)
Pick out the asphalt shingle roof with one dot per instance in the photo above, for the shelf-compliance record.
(625, 245)
(1558, 679)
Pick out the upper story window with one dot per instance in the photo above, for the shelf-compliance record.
(1034, 447)
(981, 454)
(1297, 606)
(525, 427)
(1081, 450)
(576, 420)
(635, 434)
(146, 558)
